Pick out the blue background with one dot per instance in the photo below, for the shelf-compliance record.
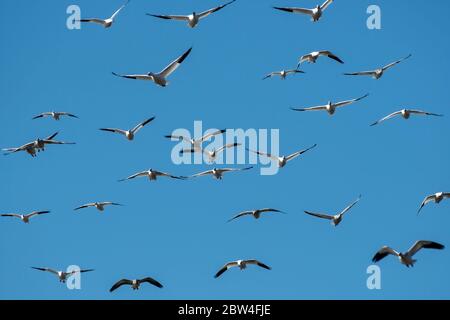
(175, 231)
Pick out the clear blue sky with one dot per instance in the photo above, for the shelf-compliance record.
(175, 231)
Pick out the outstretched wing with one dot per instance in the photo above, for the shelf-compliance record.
(426, 201)
(142, 124)
(206, 137)
(295, 10)
(245, 213)
(390, 65)
(320, 215)
(350, 206)
(174, 64)
(118, 10)
(225, 268)
(120, 283)
(424, 244)
(383, 252)
(317, 108)
(139, 174)
(325, 4)
(275, 158)
(347, 102)
(386, 118)
(206, 13)
(258, 263)
(425, 113)
(151, 281)
(330, 55)
(298, 153)
(169, 17)
(134, 76)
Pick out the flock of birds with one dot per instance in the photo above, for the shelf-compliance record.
(196, 145)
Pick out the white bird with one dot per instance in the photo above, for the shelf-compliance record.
(62, 275)
(194, 18)
(406, 258)
(335, 219)
(55, 115)
(313, 56)
(377, 73)
(37, 145)
(406, 113)
(129, 134)
(152, 175)
(255, 213)
(161, 77)
(283, 73)
(437, 198)
(196, 143)
(315, 13)
(135, 284)
(24, 217)
(218, 173)
(106, 22)
(331, 107)
(242, 264)
(211, 154)
(283, 160)
(100, 206)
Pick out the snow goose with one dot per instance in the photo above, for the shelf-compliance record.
(194, 18)
(283, 73)
(211, 154)
(336, 219)
(196, 143)
(56, 115)
(37, 145)
(406, 113)
(100, 206)
(377, 73)
(315, 13)
(152, 175)
(242, 264)
(313, 56)
(406, 258)
(331, 107)
(62, 276)
(129, 134)
(24, 217)
(106, 22)
(437, 198)
(135, 284)
(161, 77)
(218, 173)
(283, 160)
(255, 213)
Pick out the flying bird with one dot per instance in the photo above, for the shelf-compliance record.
(196, 143)
(283, 160)
(161, 77)
(62, 276)
(218, 173)
(100, 206)
(255, 213)
(437, 198)
(283, 73)
(106, 22)
(152, 175)
(315, 13)
(24, 217)
(211, 154)
(406, 113)
(135, 284)
(56, 115)
(377, 73)
(37, 145)
(242, 264)
(331, 107)
(313, 56)
(192, 19)
(406, 258)
(335, 219)
(129, 134)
